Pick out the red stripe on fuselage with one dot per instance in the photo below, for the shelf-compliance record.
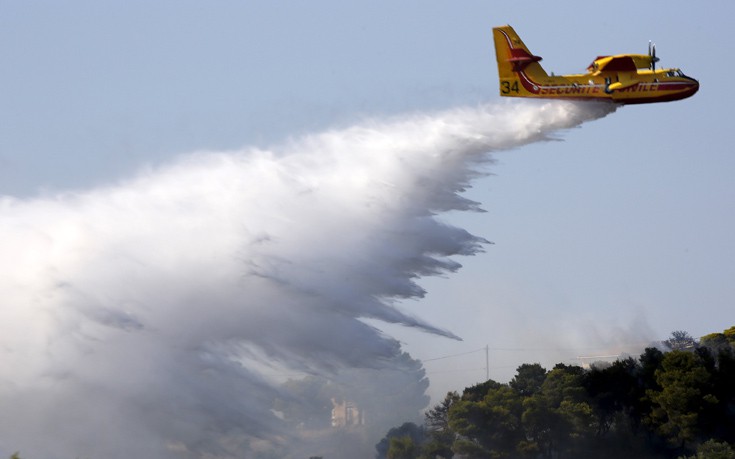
(528, 83)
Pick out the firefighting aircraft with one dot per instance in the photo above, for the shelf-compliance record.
(623, 78)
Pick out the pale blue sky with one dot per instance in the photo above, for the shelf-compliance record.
(623, 229)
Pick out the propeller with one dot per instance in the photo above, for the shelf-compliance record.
(652, 55)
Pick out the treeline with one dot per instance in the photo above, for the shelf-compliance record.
(674, 404)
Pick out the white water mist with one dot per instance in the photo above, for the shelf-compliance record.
(129, 313)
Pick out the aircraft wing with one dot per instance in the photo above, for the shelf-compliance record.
(621, 63)
(613, 64)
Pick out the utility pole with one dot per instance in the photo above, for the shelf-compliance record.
(487, 362)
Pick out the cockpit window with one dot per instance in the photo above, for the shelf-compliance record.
(675, 73)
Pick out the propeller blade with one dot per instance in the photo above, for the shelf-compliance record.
(652, 54)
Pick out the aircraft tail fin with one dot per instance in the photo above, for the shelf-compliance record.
(517, 66)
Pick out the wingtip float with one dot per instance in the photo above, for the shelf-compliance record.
(622, 78)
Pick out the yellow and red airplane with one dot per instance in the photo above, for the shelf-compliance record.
(623, 78)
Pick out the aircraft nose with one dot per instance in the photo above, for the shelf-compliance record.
(692, 88)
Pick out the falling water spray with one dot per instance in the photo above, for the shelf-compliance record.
(142, 318)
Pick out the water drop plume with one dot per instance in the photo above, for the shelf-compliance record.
(151, 318)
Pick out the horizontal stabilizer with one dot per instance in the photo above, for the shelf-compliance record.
(520, 58)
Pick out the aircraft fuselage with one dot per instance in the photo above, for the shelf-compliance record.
(623, 78)
(660, 86)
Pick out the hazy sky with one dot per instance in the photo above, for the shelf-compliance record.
(613, 237)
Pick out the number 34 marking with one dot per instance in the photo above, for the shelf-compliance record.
(507, 88)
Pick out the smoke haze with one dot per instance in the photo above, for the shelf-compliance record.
(152, 318)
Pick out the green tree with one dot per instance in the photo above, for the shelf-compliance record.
(558, 419)
(528, 379)
(721, 417)
(617, 398)
(437, 418)
(659, 405)
(434, 449)
(441, 436)
(680, 341)
(540, 422)
(712, 449)
(649, 363)
(715, 342)
(730, 334)
(613, 391)
(402, 448)
(407, 430)
(718, 350)
(489, 427)
(685, 393)
(478, 391)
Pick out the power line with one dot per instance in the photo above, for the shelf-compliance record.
(468, 370)
(462, 370)
(452, 355)
(530, 349)
(487, 349)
